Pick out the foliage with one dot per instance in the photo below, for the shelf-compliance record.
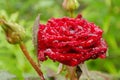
(104, 13)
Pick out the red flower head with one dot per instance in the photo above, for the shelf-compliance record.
(70, 41)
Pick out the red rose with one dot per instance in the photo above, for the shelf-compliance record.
(70, 41)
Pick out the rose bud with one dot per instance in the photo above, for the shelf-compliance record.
(14, 32)
(70, 5)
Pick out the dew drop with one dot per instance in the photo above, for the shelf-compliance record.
(80, 27)
(72, 31)
(55, 41)
(61, 56)
(80, 47)
(90, 41)
(63, 28)
(48, 50)
(45, 29)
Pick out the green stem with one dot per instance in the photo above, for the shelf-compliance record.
(71, 13)
(71, 73)
(34, 65)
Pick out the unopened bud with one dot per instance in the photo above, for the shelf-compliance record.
(70, 5)
(14, 32)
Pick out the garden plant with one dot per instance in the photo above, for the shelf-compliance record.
(69, 41)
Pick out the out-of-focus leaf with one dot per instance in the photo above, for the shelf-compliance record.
(106, 24)
(111, 41)
(110, 67)
(6, 76)
(14, 17)
(94, 75)
(3, 13)
(108, 2)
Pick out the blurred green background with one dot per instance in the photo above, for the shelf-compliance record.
(104, 13)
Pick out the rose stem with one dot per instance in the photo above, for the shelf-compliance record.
(71, 13)
(71, 73)
(34, 65)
